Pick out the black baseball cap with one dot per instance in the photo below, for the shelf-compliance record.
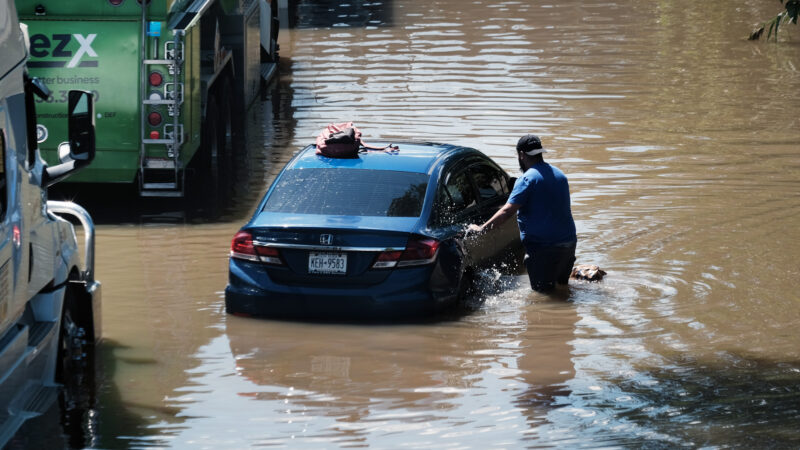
(530, 145)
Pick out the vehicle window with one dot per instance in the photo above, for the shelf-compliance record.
(3, 177)
(349, 192)
(444, 210)
(461, 191)
(489, 181)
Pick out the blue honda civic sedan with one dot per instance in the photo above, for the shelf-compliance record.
(380, 234)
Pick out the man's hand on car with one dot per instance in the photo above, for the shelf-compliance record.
(473, 228)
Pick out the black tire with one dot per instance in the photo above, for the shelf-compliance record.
(466, 289)
(74, 352)
(71, 342)
(75, 370)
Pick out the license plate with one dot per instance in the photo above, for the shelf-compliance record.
(327, 263)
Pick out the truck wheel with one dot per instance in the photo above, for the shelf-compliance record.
(75, 368)
(71, 344)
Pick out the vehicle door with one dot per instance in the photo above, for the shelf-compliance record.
(491, 185)
(456, 207)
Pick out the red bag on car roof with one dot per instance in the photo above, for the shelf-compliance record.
(339, 140)
(343, 140)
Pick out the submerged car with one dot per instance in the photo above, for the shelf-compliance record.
(380, 234)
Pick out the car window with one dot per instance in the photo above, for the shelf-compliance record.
(444, 210)
(349, 192)
(489, 181)
(461, 192)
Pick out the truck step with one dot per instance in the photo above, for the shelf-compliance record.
(38, 332)
(159, 193)
(159, 186)
(40, 400)
(163, 62)
(159, 163)
(34, 399)
(167, 189)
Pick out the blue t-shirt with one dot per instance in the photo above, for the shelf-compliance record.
(544, 216)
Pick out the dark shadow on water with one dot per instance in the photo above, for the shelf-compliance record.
(366, 319)
(733, 401)
(336, 14)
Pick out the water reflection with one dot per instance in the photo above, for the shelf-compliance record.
(545, 362)
(387, 385)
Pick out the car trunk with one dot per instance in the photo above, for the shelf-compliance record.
(328, 256)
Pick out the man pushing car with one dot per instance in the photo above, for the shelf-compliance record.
(540, 199)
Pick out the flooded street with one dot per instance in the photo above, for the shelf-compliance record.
(681, 141)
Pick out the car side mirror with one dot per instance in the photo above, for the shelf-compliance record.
(81, 126)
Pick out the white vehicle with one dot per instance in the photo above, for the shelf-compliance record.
(49, 301)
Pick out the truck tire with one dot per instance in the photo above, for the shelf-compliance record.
(75, 369)
(72, 344)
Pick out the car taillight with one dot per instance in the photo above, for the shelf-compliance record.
(419, 250)
(154, 118)
(386, 260)
(242, 247)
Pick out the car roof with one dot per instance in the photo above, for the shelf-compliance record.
(409, 157)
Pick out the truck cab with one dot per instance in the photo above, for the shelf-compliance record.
(49, 299)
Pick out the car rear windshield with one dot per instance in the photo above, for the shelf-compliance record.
(349, 192)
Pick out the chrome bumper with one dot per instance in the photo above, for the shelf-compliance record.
(85, 219)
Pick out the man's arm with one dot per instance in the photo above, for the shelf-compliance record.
(507, 211)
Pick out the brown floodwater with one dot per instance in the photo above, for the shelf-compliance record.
(681, 140)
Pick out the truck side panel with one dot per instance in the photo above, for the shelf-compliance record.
(101, 57)
(100, 8)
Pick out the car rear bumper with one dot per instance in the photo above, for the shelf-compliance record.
(405, 292)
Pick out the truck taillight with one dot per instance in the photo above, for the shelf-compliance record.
(419, 250)
(16, 236)
(115, 2)
(242, 247)
(156, 79)
(154, 118)
(155, 135)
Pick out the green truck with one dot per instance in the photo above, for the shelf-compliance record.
(168, 78)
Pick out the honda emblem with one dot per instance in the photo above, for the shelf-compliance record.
(326, 239)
